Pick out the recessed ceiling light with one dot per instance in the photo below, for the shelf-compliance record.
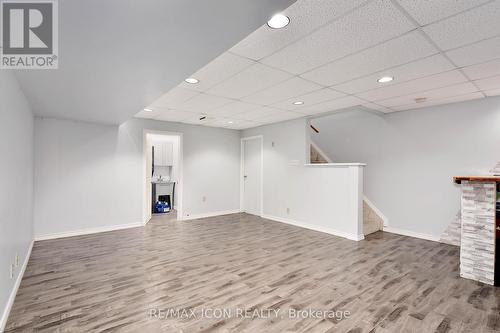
(298, 103)
(148, 110)
(278, 21)
(192, 80)
(229, 122)
(385, 79)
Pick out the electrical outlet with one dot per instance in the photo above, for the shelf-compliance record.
(11, 271)
(288, 210)
(16, 260)
(204, 199)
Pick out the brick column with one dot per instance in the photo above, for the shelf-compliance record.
(477, 251)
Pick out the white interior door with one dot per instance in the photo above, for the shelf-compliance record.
(252, 173)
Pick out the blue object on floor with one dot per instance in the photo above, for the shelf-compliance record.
(162, 207)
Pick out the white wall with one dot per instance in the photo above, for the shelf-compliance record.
(90, 176)
(412, 156)
(16, 183)
(320, 198)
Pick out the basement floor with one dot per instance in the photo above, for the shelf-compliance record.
(241, 273)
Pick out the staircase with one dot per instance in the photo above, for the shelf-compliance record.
(372, 222)
(316, 156)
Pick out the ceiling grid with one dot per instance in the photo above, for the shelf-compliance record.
(331, 56)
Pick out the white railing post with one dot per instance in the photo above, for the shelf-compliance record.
(356, 172)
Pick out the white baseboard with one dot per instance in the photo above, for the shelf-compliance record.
(12, 297)
(211, 214)
(87, 231)
(316, 228)
(410, 233)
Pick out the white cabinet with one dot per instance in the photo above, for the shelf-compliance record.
(158, 154)
(169, 153)
(164, 154)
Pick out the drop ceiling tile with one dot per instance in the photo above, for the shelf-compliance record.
(174, 98)
(425, 12)
(148, 114)
(233, 108)
(220, 122)
(494, 92)
(422, 84)
(194, 119)
(315, 97)
(441, 101)
(444, 92)
(336, 104)
(249, 81)
(305, 16)
(284, 90)
(279, 116)
(376, 107)
(173, 115)
(258, 113)
(476, 53)
(484, 70)
(469, 27)
(414, 70)
(488, 83)
(244, 124)
(392, 53)
(202, 103)
(223, 67)
(369, 25)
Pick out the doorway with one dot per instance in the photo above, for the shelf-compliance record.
(162, 190)
(252, 175)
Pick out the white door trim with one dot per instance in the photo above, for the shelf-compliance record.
(242, 163)
(179, 185)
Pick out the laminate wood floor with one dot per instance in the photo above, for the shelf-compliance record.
(119, 281)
